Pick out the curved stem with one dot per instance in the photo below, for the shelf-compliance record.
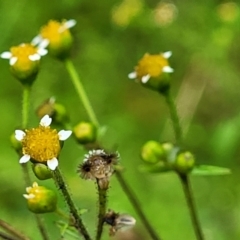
(25, 105)
(191, 206)
(41, 227)
(78, 224)
(80, 91)
(102, 201)
(134, 201)
(174, 116)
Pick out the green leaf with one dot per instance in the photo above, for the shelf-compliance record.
(160, 167)
(207, 170)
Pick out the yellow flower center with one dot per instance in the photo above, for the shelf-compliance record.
(151, 65)
(22, 52)
(41, 143)
(55, 31)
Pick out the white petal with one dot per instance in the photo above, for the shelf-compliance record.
(145, 78)
(38, 39)
(35, 184)
(19, 135)
(34, 57)
(29, 196)
(52, 163)
(42, 51)
(167, 69)
(46, 121)
(167, 54)
(25, 158)
(132, 75)
(13, 60)
(70, 23)
(6, 55)
(63, 134)
(44, 43)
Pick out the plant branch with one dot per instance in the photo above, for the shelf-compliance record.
(78, 224)
(191, 206)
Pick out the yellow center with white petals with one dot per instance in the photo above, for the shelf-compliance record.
(41, 143)
(55, 32)
(22, 53)
(151, 65)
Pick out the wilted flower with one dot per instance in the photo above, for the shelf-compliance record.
(24, 61)
(98, 165)
(58, 37)
(118, 221)
(152, 69)
(40, 199)
(42, 144)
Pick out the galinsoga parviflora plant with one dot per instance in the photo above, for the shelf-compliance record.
(40, 146)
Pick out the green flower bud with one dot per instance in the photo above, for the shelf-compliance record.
(41, 171)
(152, 152)
(184, 162)
(40, 199)
(85, 132)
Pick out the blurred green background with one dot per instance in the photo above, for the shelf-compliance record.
(110, 37)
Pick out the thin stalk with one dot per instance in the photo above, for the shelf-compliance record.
(11, 230)
(78, 224)
(102, 201)
(191, 206)
(174, 116)
(80, 91)
(135, 203)
(25, 113)
(4, 236)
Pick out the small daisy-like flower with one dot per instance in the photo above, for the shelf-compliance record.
(58, 37)
(42, 144)
(151, 69)
(98, 165)
(24, 61)
(40, 199)
(118, 222)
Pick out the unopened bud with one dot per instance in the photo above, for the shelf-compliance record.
(152, 152)
(41, 171)
(184, 162)
(85, 132)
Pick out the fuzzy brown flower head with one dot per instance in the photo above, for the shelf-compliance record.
(118, 221)
(97, 164)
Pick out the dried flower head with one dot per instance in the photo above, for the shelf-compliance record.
(42, 144)
(151, 70)
(58, 37)
(24, 61)
(40, 199)
(98, 165)
(118, 222)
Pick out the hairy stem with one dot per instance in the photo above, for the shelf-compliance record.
(11, 230)
(78, 223)
(102, 201)
(80, 91)
(174, 116)
(135, 203)
(191, 206)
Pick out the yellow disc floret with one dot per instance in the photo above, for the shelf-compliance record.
(41, 143)
(151, 65)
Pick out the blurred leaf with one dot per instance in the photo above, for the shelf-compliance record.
(210, 170)
(160, 167)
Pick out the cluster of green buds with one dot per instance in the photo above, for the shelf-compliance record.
(163, 157)
(98, 165)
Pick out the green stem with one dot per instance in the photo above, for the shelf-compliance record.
(80, 91)
(25, 105)
(78, 224)
(174, 116)
(102, 201)
(134, 201)
(25, 112)
(191, 206)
